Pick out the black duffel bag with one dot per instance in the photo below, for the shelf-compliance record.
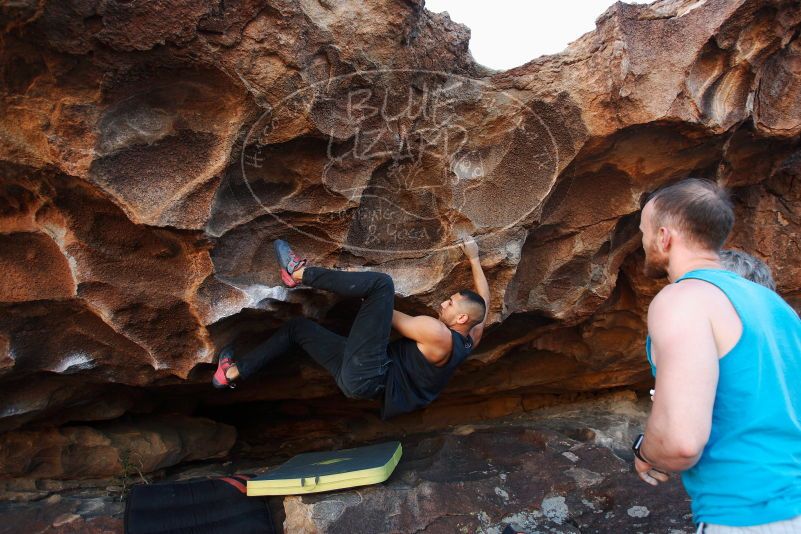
(205, 506)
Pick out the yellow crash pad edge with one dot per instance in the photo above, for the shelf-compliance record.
(351, 479)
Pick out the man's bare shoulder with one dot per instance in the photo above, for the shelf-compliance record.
(433, 326)
(433, 338)
(686, 297)
(686, 290)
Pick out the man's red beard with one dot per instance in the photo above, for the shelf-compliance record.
(654, 267)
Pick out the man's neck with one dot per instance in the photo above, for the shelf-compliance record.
(462, 329)
(688, 261)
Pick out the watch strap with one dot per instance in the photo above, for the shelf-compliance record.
(636, 448)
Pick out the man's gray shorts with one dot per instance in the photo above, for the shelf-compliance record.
(789, 526)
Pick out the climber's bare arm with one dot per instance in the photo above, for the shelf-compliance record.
(470, 249)
(432, 336)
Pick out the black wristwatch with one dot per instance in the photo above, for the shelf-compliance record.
(636, 448)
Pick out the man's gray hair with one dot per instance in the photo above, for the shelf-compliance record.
(748, 267)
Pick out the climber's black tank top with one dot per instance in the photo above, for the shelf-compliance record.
(412, 381)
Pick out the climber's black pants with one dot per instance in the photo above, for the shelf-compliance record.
(358, 362)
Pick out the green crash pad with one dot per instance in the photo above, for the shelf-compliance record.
(313, 472)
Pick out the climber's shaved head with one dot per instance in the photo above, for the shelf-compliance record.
(465, 307)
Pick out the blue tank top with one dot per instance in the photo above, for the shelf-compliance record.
(412, 381)
(750, 470)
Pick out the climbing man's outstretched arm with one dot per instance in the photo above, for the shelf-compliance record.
(470, 249)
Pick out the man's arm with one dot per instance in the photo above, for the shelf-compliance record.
(470, 248)
(431, 333)
(686, 357)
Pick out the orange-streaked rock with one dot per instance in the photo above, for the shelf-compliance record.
(149, 154)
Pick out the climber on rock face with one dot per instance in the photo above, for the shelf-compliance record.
(407, 373)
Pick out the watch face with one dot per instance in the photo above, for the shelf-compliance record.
(637, 442)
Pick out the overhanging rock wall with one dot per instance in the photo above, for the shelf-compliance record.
(150, 153)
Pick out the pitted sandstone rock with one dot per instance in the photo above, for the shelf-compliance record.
(150, 152)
